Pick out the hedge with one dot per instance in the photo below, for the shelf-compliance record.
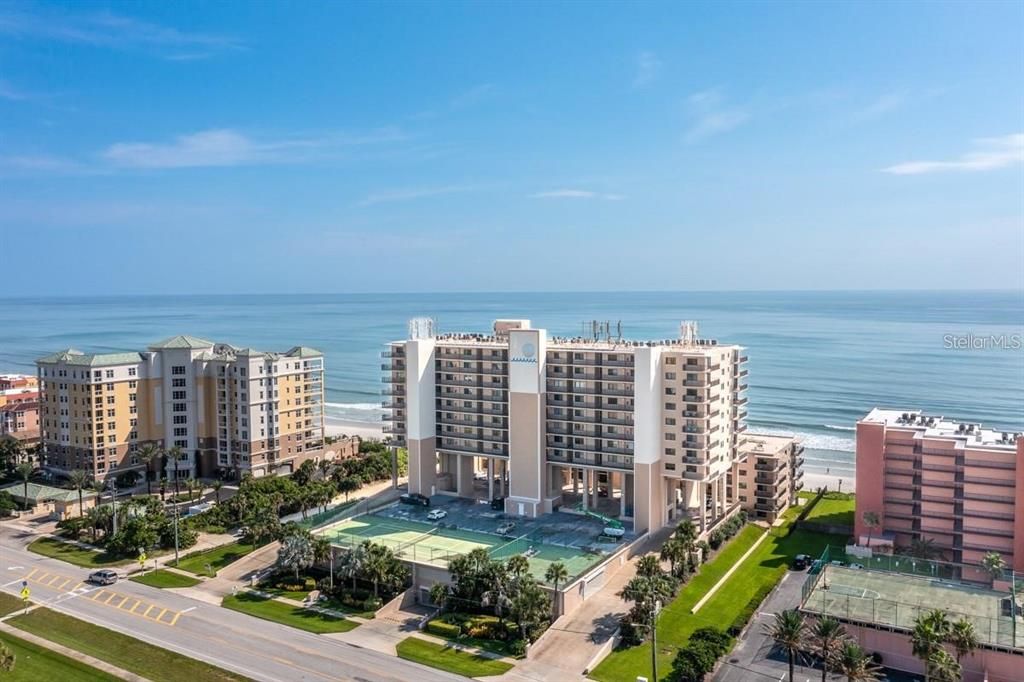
(442, 629)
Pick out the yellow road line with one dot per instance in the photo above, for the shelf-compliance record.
(34, 570)
(96, 595)
(54, 580)
(161, 614)
(123, 602)
(76, 587)
(63, 584)
(111, 597)
(136, 605)
(151, 607)
(175, 619)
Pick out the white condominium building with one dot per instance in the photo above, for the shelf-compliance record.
(644, 431)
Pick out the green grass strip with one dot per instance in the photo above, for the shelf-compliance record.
(33, 663)
(445, 658)
(286, 614)
(164, 579)
(73, 554)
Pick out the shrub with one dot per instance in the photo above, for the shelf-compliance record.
(716, 538)
(518, 647)
(309, 584)
(443, 629)
(715, 638)
(705, 550)
(372, 603)
(630, 633)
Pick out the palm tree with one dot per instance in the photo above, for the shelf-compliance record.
(687, 534)
(788, 631)
(517, 566)
(556, 573)
(995, 565)
(174, 454)
(851, 660)
(943, 667)
(827, 635)
(355, 561)
(78, 480)
(674, 552)
(872, 521)
(923, 548)
(148, 454)
(439, 594)
(348, 484)
(648, 566)
(929, 633)
(6, 658)
(217, 485)
(963, 637)
(24, 472)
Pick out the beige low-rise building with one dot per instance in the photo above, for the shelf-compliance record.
(227, 410)
(768, 474)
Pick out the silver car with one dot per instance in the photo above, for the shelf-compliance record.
(103, 577)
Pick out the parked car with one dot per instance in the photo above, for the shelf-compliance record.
(437, 514)
(815, 567)
(498, 503)
(415, 498)
(104, 576)
(800, 562)
(857, 566)
(506, 528)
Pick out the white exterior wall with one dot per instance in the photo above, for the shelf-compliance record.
(647, 402)
(420, 396)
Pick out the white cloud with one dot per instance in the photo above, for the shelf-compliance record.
(576, 194)
(712, 116)
(227, 147)
(105, 29)
(648, 68)
(400, 195)
(989, 154)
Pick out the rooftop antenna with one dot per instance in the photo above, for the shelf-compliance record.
(421, 328)
(688, 332)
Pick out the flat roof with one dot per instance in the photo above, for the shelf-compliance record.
(765, 444)
(939, 427)
(39, 493)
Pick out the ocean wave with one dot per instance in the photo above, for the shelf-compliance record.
(840, 428)
(813, 441)
(368, 413)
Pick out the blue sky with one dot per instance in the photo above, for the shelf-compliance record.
(253, 147)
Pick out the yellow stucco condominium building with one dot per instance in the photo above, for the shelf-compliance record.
(646, 431)
(230, 410)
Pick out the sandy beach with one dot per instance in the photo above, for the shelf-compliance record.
(339, 427)
(813, 481)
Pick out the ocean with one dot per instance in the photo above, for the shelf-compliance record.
(818, 360)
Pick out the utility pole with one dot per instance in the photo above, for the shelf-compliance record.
(654, 640)
(332, 568)
(175, 530)
(113, 499)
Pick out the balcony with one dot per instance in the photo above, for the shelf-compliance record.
(393, 367)
(397, 389)
(393, 352)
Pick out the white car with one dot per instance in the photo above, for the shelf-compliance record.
(437, 514)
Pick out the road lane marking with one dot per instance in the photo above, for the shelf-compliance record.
(123, 602)
(34, 571)
(161, 614)
(136, 605)
(77, 587)
(96, 595)
(151, 607)
(63, 584)
(175, 619)
(55, 579)
(110, 598)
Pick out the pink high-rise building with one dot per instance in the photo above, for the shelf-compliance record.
(957, 484)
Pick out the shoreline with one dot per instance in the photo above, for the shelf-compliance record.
(338, 428)
(814, 480)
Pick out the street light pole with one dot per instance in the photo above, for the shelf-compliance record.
(113, 499)
(332, 568)
(175, 532)
(654, 640)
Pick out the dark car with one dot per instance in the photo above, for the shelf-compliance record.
(103, 577)
(415, 498)
(800, 562)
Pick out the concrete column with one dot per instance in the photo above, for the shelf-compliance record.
(490, 479)
(595, 489)
(501, 478)
(464, 475)
(622, 494)
(586, 489)
(702, 495)
(575, 481)
(715, 510)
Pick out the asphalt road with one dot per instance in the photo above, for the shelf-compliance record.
(256, 648)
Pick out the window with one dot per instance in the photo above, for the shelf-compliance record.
(670, 376)
(670, 406)
(131, 371)
(178, 369)
(110, 400)
(670, 361)
(181, 444)
(178, 383)
(670, 421)
(177, 395)
(180, 431)
(179, 407)
(670, 451)
(132, 384)
(110, 374)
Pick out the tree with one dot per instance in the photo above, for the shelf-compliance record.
(148, 454)
(930, 631)
(788, 630)
(826, 636)
(305, 474)
(439, 594)
(382, 567)
(517, 566)
(347, 485)
(530, 608)
(675, 553)
(296, 552)
(175, 454)
(923, 548)
(78, 480)
(872, 521)
(648, 566)
(217, 485)
(556, 574)
(995, 565)
(24, 472)
(7, 659)
(352, 564)
(499, 596)
(11, 452)
(963, 638)
(943, 668)
(851, 660)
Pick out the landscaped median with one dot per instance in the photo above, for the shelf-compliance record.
(295, 616)
(74, 554)
(33, 663)
(447, 657)
(127, 653)
(729, 608)
(164, 579)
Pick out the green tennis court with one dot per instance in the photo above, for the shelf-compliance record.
(435, 545)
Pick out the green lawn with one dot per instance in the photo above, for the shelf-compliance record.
(764, 566)
(286, 614)
(165, 579)
(834, 508)
(217, 558)
(33, 663)
(73, 554)
(151, 662)
(452, 660)
(9, 604)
